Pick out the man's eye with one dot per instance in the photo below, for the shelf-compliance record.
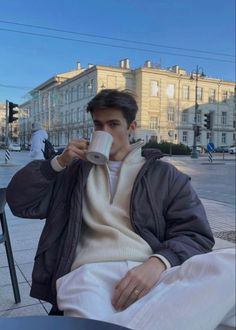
(114, 124)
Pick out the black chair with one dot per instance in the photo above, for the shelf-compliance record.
(5, 238)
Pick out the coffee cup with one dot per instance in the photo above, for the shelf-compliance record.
(99, 147)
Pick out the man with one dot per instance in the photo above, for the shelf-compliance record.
(124, 242)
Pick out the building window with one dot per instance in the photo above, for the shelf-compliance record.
(171, 114)
(224, 96)
(198, 138)
(185, 92)
(224, 118)
(223, 138)
(66, 97)
(185, 137)
(154, 121)
(72, 94)
(212, 95)
(184, 118)
(234, 137)
(199, 117)
(171, 91)
(208, 136)
(199, 93)
(91, 87)
(155, 88)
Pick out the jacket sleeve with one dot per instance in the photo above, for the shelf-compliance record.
(187, 229)
(30, 190)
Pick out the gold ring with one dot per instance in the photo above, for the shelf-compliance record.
(136, 292)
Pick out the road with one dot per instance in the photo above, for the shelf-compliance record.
(214, 182)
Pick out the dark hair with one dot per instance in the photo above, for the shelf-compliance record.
(115, 99)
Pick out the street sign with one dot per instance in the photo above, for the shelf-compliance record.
(210, 147)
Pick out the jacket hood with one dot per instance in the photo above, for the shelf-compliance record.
(152, 153)
(36, 127)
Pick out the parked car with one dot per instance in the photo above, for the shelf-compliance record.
(221, 149)
(200, 149)
(14, 147)
(232, 150)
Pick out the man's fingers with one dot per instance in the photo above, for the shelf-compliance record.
(75, 149)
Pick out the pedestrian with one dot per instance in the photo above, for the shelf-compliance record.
(127, 242)
(37, 141)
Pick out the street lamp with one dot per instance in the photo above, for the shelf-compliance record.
(195, 75)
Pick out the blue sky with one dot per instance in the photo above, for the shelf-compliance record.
(28, 60)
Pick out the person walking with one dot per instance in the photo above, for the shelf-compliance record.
(37, 141)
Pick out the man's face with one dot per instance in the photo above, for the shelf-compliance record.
(113, 122)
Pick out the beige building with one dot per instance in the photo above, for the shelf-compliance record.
(166, 99)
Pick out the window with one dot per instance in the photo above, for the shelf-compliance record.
(224, 118)
(199, 93)
(223, 138)
(66, 97)
(171, 114)
(85, 89)
(72, 94)
(185, 136)
(171, 91)
(185, 92)
(199, 117)
(234, 137)
(154, 121)
(155, 88)
(208, 135)
(184, 117)
(212, 95)
(224, 96)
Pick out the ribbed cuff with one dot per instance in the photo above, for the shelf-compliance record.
(163, 259)
(56, 166)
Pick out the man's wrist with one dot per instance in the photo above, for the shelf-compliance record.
(60, 162)
(56, 165)
(161, 261)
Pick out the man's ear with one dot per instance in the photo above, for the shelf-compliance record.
(131, 129)
(132, 126)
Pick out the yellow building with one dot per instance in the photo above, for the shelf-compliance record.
(166, 99)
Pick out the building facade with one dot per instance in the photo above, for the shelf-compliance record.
(166, 100)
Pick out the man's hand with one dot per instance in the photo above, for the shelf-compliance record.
(75, 149)
(137, 283)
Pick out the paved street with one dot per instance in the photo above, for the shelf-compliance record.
(215, 185)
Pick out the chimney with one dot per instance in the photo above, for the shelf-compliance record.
(148, 64)
(122, 64)
(78, 66)
(126, 60)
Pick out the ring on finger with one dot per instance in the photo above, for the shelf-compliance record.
(136, 292)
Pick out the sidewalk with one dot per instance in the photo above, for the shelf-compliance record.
(24, 237)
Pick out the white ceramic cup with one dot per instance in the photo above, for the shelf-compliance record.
(99, 147)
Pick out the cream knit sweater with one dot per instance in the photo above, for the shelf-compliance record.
(107, 234)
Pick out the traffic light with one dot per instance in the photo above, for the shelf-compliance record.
(12, 112)
(207, 120)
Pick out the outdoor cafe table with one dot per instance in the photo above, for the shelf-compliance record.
(55, 323)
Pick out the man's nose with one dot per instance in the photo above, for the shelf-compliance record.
(106, 128)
